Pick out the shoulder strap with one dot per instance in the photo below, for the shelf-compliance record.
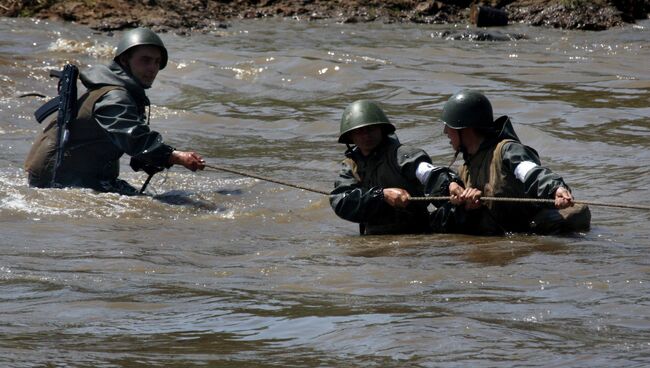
(91, 97)
(496, 165)
(497, 162)
(99, 92)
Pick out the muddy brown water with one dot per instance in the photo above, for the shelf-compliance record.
(228, 271)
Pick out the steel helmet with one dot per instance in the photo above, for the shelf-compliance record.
(138, 37)
(363, 113)
(468, 109)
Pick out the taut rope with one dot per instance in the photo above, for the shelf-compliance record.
(429, 199)
(254, 176)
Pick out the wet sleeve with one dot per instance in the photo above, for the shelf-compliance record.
(408, 160)
(446, 218)
(523, 162)
(350, 201)
(436, 179)
(118, 115)
(416, 164)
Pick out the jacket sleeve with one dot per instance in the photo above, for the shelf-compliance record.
(350, 201)
(408, 160)
(415, 163)
(438, 181)
(435, 179)
(523, 162)
(118, 115)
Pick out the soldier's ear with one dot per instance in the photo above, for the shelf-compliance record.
(124, 60)
(125, 57)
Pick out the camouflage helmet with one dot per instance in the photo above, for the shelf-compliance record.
(363, 113)
(138, 37)
(468, 109)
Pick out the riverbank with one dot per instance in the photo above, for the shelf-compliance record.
(184, 16)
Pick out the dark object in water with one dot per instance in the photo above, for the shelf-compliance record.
(229, 192)
(475, 35)
(485, 16)
(184, 198)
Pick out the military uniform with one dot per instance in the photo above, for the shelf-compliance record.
(358, 191)
(111, 121)
(504, 167)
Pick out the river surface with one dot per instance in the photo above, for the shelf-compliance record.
(223, 270)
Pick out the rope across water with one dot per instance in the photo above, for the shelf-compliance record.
(271, 180)
(428, 199)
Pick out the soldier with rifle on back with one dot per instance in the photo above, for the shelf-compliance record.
(83, 145)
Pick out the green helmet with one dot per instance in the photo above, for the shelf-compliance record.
(363, 113)
(139, 37)
(468, 109)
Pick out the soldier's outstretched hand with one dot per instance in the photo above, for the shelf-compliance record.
(191, 160)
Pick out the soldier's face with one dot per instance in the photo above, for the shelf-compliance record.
(454, 137)
(367, 138)
(144, 63)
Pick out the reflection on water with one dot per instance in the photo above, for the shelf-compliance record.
(217, 269)
(501, 254)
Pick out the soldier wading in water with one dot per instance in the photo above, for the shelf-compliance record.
(497, 164)
(379, 175)
(110, 121)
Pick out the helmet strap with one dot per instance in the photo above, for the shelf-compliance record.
(349, 149)
(453, 159)
(461, 147)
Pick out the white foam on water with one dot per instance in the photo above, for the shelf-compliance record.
(82, 47)
(207, 198)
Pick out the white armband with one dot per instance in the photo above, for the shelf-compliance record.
(523, 169)
(424, 171)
